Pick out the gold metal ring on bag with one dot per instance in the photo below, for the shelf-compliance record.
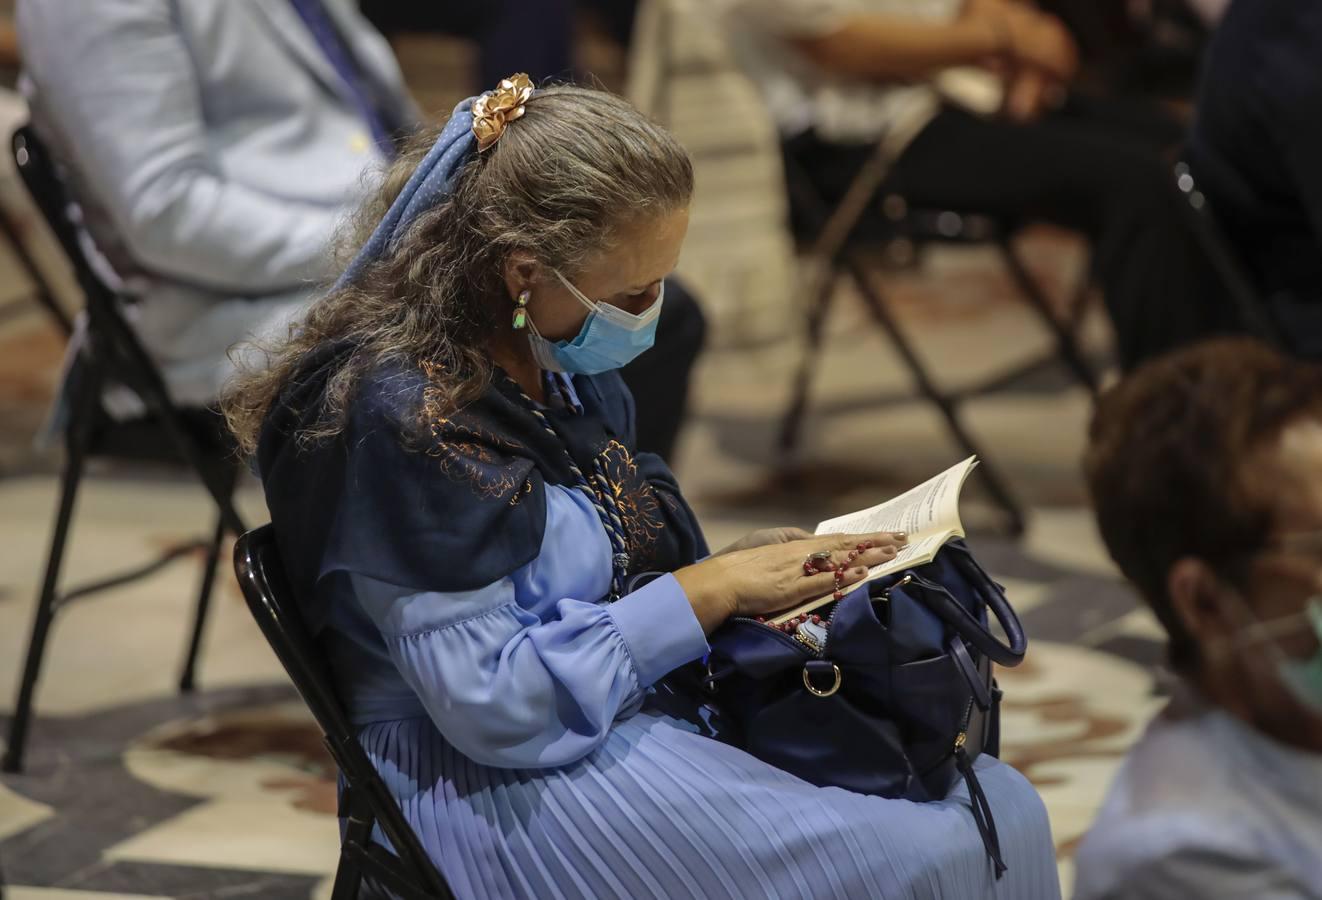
(814, 690)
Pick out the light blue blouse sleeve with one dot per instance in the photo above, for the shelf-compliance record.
(521, 681)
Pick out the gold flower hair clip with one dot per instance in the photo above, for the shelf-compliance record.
(496, 109)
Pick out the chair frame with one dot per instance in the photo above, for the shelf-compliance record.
(109, 354)
(367, 804)
(839, 257)
(1240, 287)
(41, 290)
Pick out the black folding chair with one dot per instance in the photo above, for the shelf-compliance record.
(111, 354)
(1249, 306)
(40, 291)
(408, 872)
(833, 236)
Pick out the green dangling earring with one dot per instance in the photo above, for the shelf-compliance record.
(521, 311)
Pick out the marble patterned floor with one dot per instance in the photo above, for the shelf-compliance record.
(132, 790)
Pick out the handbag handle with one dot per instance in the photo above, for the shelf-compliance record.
(1009, 653)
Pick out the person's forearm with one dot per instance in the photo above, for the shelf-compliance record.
(883, 47)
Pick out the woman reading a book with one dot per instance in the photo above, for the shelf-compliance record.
(446, 452)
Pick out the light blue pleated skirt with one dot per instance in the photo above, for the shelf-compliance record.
(659, 811)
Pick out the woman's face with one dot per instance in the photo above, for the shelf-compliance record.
(628, 276)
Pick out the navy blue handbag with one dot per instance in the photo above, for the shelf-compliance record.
(890, 694)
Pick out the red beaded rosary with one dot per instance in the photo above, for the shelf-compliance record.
(812, 566)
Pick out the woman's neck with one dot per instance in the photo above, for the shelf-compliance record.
(509, 350)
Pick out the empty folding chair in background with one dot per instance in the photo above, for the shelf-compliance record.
(109, 354)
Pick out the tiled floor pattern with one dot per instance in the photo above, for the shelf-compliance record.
(133, 791)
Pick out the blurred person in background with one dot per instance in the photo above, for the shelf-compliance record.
(214, 147)
(973, 99)
(1205, 468)
(1255, 149)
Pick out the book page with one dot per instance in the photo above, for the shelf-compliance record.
(931, 507)
(928, 514)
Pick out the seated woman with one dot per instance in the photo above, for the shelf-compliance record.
(447, 456)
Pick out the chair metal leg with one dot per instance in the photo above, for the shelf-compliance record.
(186, 679)
(927, 387)
(47, 600)
(348, 879)
(792, 423)
(1079, 299)
(1066, 346)
(357, 834)
(153, 393)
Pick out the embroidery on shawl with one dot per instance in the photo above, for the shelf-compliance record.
(467, 452)
(636, 500)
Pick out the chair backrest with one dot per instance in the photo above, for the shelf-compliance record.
(266, 589)
(112, 347)
(42, 179)
(1239, 284)
(112, 336)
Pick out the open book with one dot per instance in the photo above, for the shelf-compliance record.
(929, 514)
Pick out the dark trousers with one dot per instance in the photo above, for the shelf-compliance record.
(659, 379)
(537, 37)
(533, 36)
(1098, 168)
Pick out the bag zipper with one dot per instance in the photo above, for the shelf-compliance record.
(819, 649)
(789, 639)
(962, 738)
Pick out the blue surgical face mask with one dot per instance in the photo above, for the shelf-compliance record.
(1302, 677)
(609, 339)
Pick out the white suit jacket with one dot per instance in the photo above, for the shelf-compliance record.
(215, 151)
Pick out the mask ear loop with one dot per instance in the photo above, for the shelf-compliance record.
(1255, 632)
(614, 314)
(578, 295)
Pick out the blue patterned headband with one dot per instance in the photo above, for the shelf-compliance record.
(476, 123)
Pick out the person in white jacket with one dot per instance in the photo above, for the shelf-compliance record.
(214, 147)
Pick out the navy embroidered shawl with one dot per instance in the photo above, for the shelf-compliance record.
(459, 502)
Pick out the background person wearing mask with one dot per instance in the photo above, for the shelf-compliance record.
(1205, 468)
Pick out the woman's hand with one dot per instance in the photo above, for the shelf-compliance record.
(769, 578)
(765, 536)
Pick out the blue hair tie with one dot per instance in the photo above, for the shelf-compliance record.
(430, 183)
(476, 123)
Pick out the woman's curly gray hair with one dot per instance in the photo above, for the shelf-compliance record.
(577, 169)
